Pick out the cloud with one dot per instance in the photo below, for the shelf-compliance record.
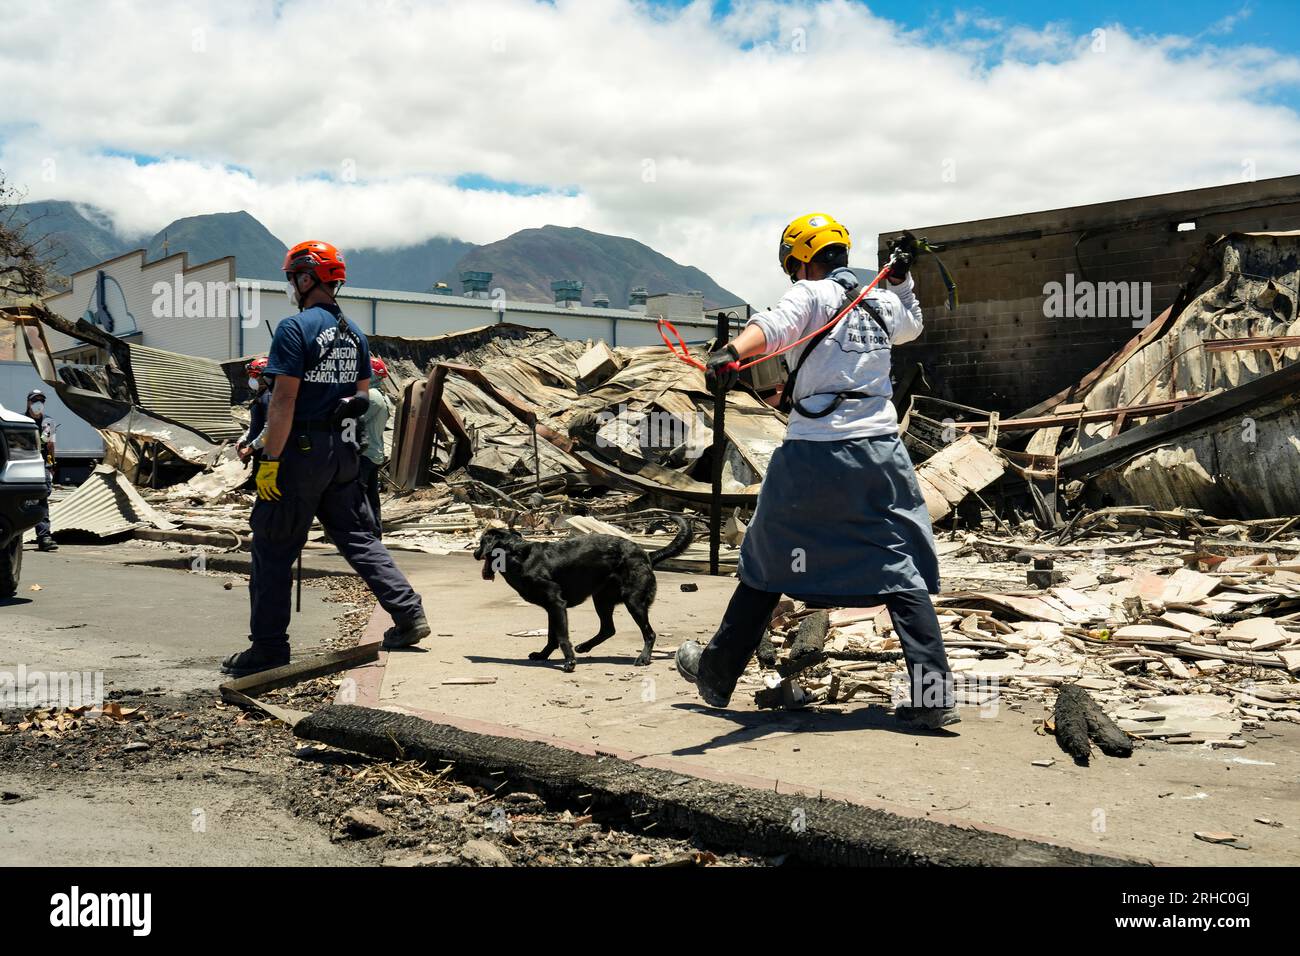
(698, 134)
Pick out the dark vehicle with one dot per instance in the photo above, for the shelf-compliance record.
(22, 489)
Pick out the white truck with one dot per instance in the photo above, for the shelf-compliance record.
(22, 493)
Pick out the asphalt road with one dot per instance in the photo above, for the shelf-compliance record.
(152, 630)
(144, 628)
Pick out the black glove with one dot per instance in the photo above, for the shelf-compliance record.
(354, 406)
(903, 252)
(722, 369)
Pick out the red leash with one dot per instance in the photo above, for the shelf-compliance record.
(685, 355)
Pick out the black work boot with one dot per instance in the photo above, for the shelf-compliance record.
(407, 633)
(46, 544)
(254, 660)
(687, 661)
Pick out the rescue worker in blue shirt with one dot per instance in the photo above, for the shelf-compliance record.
(308, 464)
(840, 519)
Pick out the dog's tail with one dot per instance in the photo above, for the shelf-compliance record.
(680, 542)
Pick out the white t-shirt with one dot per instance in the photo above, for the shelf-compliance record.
(854, 357)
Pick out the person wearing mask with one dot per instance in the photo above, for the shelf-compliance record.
(373, 424)
(258, 382)
(46, 427)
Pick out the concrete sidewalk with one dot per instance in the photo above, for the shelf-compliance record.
(1147, 807)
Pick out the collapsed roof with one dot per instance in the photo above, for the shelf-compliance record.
(642, 420)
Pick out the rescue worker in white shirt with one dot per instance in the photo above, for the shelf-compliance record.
(840, 519)
(373, 423)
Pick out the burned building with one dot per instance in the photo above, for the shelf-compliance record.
(1045, 297)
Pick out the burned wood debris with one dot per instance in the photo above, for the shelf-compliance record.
(1198, 411)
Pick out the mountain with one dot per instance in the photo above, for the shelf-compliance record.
(78, 235)
(524, 265)
(408, 269)
(258, 254)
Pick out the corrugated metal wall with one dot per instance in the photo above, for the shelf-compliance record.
(189, 390)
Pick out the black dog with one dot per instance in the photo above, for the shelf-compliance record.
(563, 574)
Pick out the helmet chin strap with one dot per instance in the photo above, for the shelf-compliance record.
(315, 283)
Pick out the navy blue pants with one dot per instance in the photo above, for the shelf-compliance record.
(915, 623)
(43, 526)
(318, 483)
(370, 482)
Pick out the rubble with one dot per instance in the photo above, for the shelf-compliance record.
(105, 505)
(1198, 410)
(1176, 639)
(162, 415)
(516, 407)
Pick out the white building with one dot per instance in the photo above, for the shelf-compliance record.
(206, 310)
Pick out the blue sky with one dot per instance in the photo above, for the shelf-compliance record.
(1274, 23)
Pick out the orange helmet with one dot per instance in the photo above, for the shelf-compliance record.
(256, 368)
(321, 259)
(378, 368)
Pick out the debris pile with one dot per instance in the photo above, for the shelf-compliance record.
(1184, 645)
(525, 411)
(1199, 410)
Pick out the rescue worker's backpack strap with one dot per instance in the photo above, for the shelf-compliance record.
(329, 350)
(849, 281)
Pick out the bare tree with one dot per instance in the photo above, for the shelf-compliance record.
(25, 269)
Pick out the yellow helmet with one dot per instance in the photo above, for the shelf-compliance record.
(808, 235)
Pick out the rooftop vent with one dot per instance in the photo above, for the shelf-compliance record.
(475, 284)
(568, 292)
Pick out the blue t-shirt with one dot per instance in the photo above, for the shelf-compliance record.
(296, 350)
(257, 413)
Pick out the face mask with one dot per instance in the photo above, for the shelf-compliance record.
(255, 384)
(38, 408)
(291, 290)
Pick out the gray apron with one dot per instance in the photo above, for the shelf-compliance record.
(839, 523)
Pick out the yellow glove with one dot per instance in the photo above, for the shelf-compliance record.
(268, 474)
